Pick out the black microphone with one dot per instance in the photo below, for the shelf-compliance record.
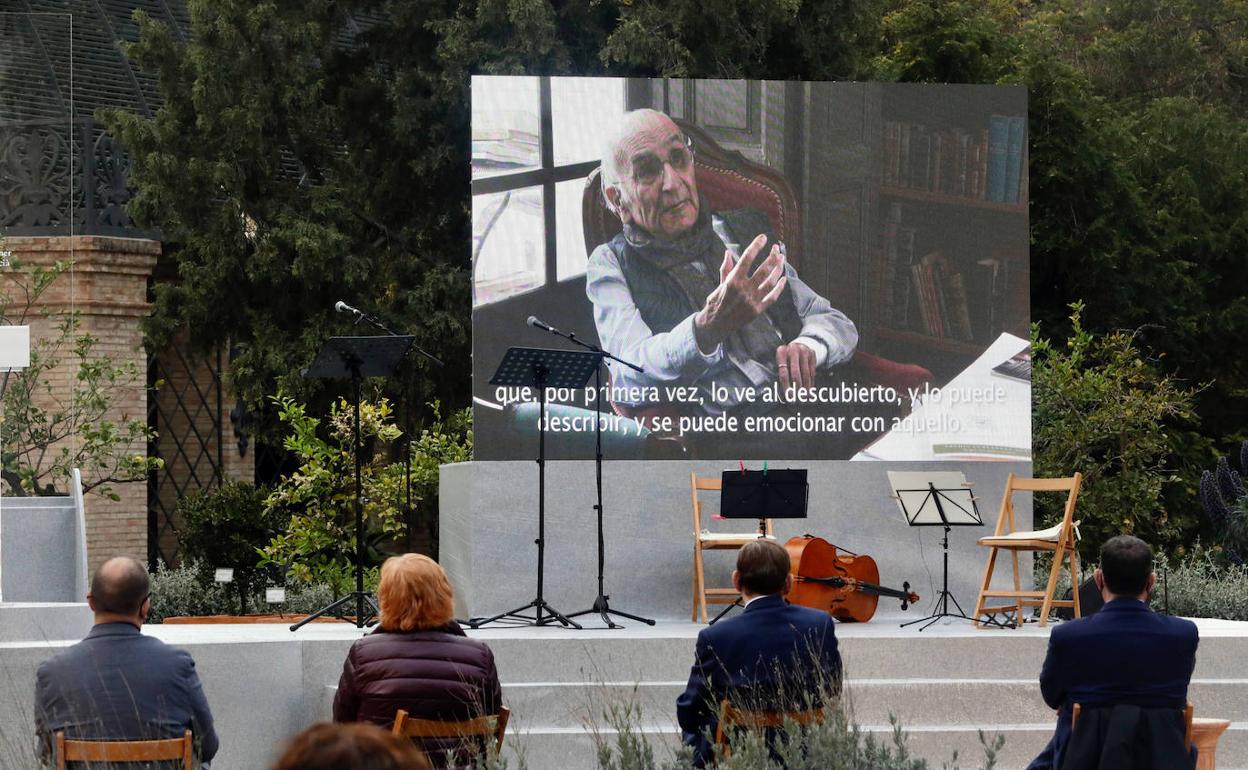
(343, 307)
(537, 323)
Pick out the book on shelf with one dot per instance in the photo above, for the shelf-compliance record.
(944, 310)
(986, 164)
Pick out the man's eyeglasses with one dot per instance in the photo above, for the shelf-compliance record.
(647, 169)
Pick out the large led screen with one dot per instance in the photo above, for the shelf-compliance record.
(777, 270)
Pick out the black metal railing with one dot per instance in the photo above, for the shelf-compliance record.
(62, 177)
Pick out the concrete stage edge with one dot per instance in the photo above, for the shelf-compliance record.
(488, 522)
(945, 684)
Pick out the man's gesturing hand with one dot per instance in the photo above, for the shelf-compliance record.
(741, 295)
(796, 363)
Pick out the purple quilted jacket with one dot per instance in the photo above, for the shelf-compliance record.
(434, 674)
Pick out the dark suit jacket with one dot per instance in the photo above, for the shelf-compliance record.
(1127, 654)
(118, 684)
(1129, 736)
(769, 655)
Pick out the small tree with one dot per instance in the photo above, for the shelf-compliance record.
(444, 441)
(319, 544)
(46, 433)
(226, 527)
(1101, 407)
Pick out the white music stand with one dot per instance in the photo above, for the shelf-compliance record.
(14, 356)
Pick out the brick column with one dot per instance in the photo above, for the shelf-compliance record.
(107, 286)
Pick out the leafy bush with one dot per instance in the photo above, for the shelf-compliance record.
(1203, 585)
(1102, 408)
(181, 591)
(189, 591)
(226, 527)
(318, 546)
(445, 441)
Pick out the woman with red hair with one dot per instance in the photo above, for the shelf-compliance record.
(418, 659)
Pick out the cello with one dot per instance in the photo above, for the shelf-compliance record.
(845, 585)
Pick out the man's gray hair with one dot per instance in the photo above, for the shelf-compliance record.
(612, 158)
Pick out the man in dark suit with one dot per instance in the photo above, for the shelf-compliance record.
(1124, 654)
(118, 684)
(773, 654)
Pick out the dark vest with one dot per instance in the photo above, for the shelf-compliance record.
(659, 298)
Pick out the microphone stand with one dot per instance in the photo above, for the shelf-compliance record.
(601, 603)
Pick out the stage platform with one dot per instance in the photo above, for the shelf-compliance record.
(945, 684)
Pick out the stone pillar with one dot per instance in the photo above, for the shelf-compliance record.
(107, 286)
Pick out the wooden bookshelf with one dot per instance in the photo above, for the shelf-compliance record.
(924, 196)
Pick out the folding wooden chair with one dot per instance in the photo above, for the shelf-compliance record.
(123, 751)
(706, 540)
(732, 718)
(1059, 540)
(491, 726)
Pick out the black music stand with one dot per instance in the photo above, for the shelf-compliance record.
(541, 368)
(937, 499)
(357, 358)
(782, 493)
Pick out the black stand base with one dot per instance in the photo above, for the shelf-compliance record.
(736, 603)
(537, 605)
(942, 611)
(361, 620)
(604, 609)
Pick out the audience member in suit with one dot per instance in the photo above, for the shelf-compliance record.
(1124, 654)
(773, 654)
(418, 659)
(357, 746)
(118, 684)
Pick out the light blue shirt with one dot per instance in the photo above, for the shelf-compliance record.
(673, 358)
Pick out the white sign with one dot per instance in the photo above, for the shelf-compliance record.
(275, 595)
(224, 575)
(14, 347)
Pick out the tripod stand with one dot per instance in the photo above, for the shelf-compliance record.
(923, 504)
(601, 603)
(356, 357)
(533, 367)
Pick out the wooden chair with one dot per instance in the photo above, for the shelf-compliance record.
(731, 717)
(484, 727)
(1058, 540)
(123, 751)
(705, 540)
(1205, 733)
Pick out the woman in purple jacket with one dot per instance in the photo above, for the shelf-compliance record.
(418, 659)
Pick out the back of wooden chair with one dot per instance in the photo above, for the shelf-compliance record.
(491, 726)
(752, 719)
(123, 751)
(1188, 711)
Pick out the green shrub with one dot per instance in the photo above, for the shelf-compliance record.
(1203, 585)
(226, 527)
(318, 545)
(182, 591)
(445, 440)
(1101, 407)
(189, 591)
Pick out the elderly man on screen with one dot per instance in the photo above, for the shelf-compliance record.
(695, 296)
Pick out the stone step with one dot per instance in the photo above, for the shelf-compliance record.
(576, 748)
(43, 622)
(870, 652)
(969, 702)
